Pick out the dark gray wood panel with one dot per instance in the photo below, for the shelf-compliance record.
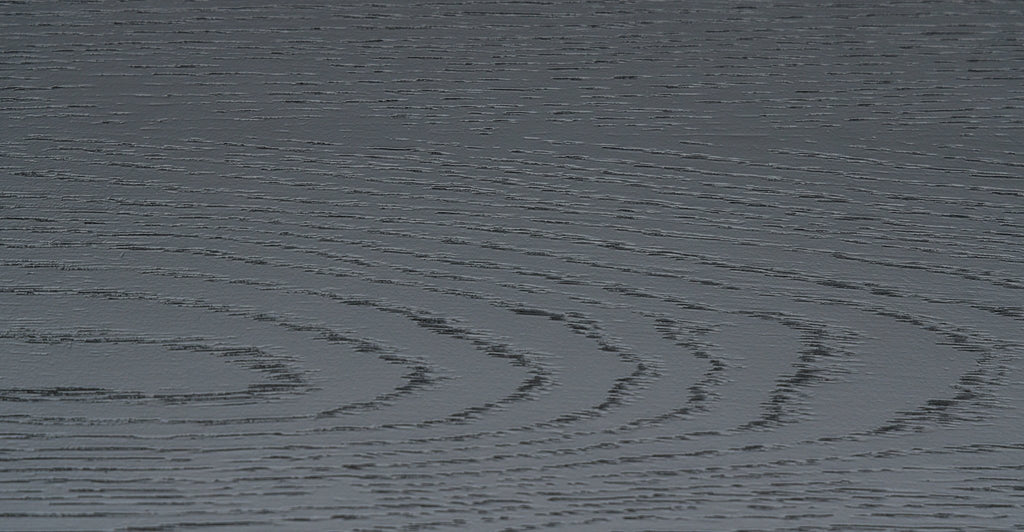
(477, 265)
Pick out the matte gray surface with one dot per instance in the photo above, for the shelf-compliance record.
(485, 265)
